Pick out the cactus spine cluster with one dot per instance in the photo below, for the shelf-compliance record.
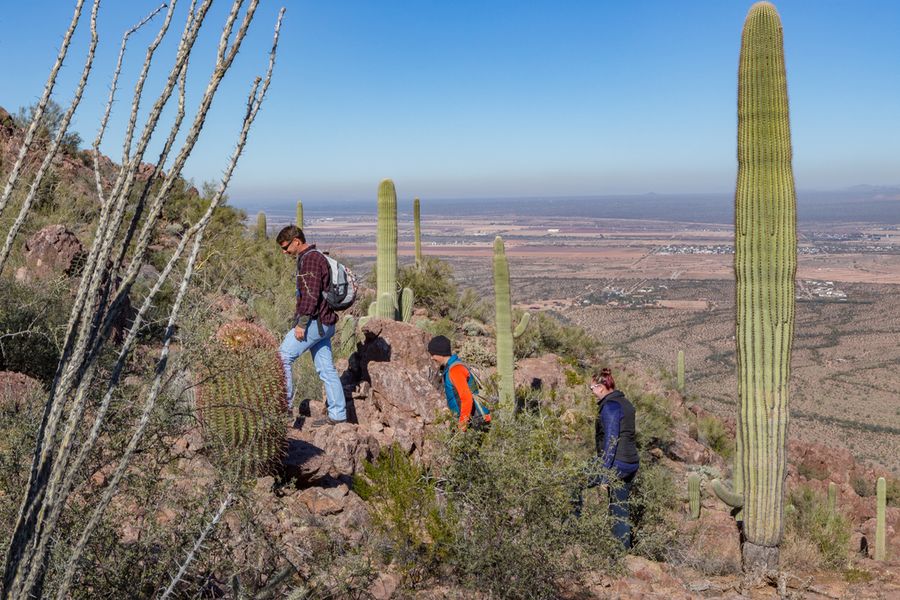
(765, 264)
(694, 495)
(242, 399)
(386, 247)
(680, 379)
(261, 233)
(881, 500)
(300, 214)
(417, 227)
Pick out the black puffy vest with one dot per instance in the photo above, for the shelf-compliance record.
(626, 448)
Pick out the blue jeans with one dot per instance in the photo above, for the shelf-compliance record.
(319, 347)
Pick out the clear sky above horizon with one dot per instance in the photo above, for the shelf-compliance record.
(497, 98)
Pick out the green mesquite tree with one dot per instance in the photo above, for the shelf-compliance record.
(242, 398)
(417, 229)
(765, 265)
(386, 247)
(261, 233)
(300, 214)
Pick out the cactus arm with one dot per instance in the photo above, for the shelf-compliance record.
(522, 326)
(386, 248)
(300, 214)
(373, 309)
(726, 494)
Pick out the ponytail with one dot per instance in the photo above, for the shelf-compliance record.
(604, 376)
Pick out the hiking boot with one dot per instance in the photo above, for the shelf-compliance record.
(326, 421)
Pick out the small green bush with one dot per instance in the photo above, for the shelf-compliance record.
(432, 284)
(548, 333)
(810, 519)
(712, 432)
(418, 529)
(513, 489)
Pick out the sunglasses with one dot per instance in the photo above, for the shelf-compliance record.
(284, 247)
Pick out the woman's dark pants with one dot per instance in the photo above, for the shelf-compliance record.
(618, 510)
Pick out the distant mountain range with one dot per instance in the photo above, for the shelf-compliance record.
(862, 203)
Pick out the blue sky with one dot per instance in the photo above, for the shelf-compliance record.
(501, 98)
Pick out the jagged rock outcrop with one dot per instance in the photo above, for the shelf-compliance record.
(392, 398)
(17, 389)
(50, 252)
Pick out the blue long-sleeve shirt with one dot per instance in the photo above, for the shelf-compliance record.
(609, 429)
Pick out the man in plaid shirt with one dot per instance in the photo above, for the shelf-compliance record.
(314, 322)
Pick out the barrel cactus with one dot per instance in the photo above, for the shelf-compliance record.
(694, 495)
(300, 214)
(386, 249)
(261, 232)
(765, 265)
(881, 500)
(417, 229)
(241, 399)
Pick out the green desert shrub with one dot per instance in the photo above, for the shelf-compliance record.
(711, 432)
(513, 489)
(809, 520)
(432, 284)
(547, 333)
(32, 325)
(417, 528)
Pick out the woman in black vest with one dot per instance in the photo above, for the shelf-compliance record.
(616, 448)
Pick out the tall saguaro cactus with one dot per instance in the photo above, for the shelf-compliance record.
(680, 367)
(261, 233)
(881, 500)
(503, 322)
(386, 246)
(765, 265)
(694, 495)
(300, 214)
(417, 228)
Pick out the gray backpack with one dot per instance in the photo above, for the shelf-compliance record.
(340, 293)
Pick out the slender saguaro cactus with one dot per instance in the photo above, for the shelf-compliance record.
(261, 233)
(386, 246)
(406, 304)
(832, 496)
(503, 321)
(881, 499)
(300, 214)
(681, 370)
(765, 265)
(417, 225)
(694, 495)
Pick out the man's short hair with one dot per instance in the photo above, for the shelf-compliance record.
(289, 233)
